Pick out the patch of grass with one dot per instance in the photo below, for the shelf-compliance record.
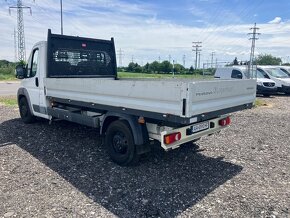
(160, 76)
(7, 73)
(259, 103)
(8, 101)
(5, 77)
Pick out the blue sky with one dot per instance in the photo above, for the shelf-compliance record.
(149, 29)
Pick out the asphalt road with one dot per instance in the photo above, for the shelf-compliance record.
(9, 88)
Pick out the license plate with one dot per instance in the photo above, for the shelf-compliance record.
(199, 127)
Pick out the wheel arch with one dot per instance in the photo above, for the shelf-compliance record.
(139, 131)
(22, 92)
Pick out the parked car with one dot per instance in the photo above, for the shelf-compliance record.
(265, 86)
(281, 78)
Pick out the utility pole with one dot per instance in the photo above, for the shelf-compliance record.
(212, 54)
(252, 56)
(132, 61)
(120, 54)
(198, 60)
(20, 29)
(196, 47)
(159, 59)
(183, 59)
(169, 58)
(173, 69)
(61, 20)
(15, 45)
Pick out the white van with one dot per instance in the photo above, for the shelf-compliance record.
(281, 78)
(285, 69)
(265, 86)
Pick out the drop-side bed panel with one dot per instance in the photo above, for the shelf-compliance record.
(153, 96)
(185, 101)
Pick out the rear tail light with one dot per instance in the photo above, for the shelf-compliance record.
(173, 137)
(225, 122)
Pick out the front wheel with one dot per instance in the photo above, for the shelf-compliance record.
(25, 112)
(120, 143)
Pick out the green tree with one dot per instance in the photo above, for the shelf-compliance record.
(191, 69)
(154, 67)
(146, 68)
(268, 59)
(131, 67)
(178, 68)
(166, 67)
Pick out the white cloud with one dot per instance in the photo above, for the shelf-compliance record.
(276, 20)
(139, 32)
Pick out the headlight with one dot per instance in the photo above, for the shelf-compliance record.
(259, 83)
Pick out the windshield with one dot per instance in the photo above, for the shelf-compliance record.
(286, 71)
(277, 73)
(261, 74)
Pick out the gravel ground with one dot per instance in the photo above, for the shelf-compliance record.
(62, 170)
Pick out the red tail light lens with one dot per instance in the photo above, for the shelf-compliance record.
(173, 137)
(225, 122)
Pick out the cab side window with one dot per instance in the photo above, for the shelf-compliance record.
(236, 74)
(32, 69)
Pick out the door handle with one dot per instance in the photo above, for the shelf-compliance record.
(36, 81)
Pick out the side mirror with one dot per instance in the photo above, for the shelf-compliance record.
(20, 72)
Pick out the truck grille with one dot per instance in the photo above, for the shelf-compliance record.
(269, 84)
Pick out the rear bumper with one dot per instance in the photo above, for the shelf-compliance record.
(266, 90)
(188, 137)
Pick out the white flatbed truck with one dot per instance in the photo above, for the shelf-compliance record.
(75, 79)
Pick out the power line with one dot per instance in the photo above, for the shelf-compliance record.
(196, 47)
(252, 56)
(20, 28)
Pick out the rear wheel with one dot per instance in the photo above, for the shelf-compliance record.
(120, 143)
(25, 112)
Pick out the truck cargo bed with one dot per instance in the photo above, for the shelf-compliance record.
(179, 101)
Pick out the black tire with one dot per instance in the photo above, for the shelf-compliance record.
(120, 144)
(24, 110)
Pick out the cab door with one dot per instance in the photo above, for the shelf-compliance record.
(31, 82)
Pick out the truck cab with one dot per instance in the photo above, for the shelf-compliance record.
(265, 86)
(32, 77)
